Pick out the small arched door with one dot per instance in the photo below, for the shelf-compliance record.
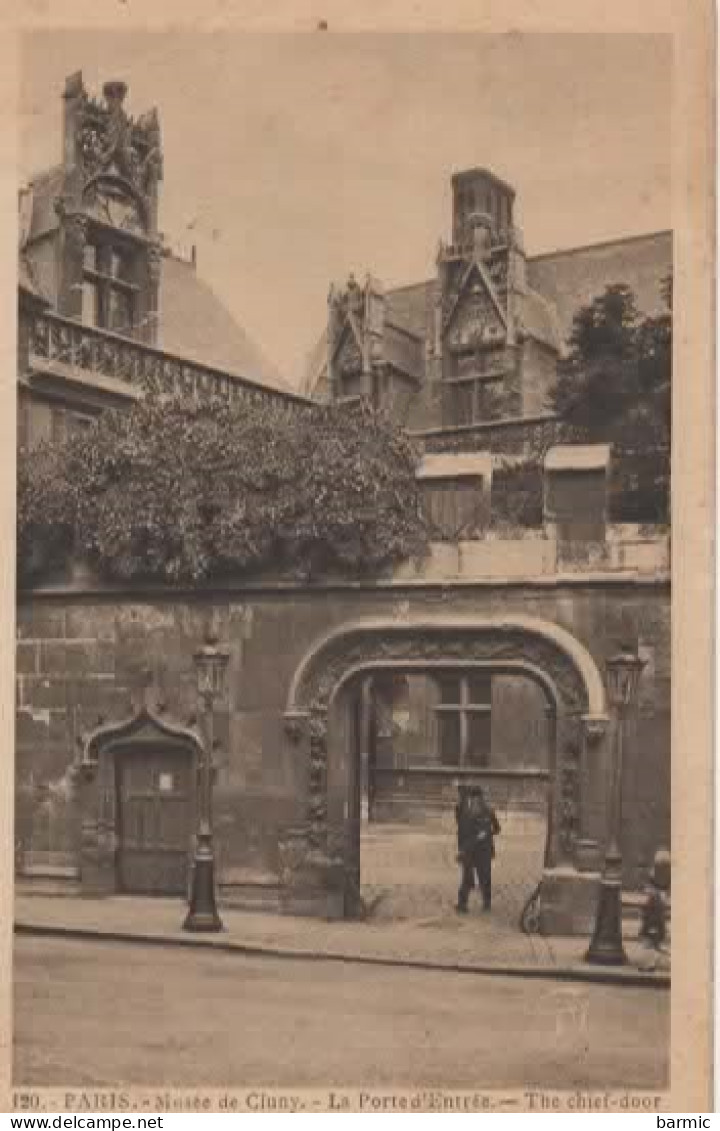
(156, 805)
(138, 800)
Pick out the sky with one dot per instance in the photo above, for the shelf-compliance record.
(291, 160)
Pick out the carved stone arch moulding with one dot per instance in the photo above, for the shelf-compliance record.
(542, 644)
(519, 641)
(144, 726)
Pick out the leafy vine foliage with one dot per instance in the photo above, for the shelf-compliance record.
(45, 512)
(183, 492)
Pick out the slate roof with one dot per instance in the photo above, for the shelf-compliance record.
(572, 278)
(27, 282)
(314, 363)
(46, 187)
(404, 350)
(560, 283)
(412, 307)
(195, 324)
(539, 320)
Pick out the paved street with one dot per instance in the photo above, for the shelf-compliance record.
(106, 1013)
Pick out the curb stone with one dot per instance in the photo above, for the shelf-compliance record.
(624, 975)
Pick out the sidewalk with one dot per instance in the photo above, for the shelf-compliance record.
(475, 943)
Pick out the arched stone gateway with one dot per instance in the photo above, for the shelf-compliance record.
(317, 857)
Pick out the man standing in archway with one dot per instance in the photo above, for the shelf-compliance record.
(477, 827)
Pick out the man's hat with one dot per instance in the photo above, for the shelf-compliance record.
(661, 870)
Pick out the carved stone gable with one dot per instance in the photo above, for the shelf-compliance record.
(475, 320)
(498, 271)
(349, 361)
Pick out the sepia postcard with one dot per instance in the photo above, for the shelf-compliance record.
(357, 704)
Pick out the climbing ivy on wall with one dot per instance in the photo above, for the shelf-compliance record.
(180, 492)
(45, 512)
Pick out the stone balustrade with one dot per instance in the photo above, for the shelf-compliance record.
(63, 346)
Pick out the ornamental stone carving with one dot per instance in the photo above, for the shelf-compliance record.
(546, 653)
(295, 723)
(595, 727)
(568, 790)
(569, 800)
(355, 328)
(349, 360)
(476, 321)
(317, 784)
(154, 262)
(498, 269)
(471, 645)
(75, 227)
(543, 650)
(107, 140)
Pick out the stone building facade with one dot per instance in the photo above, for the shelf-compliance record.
(90, 660)
(104, 303)
(483, 664)
(468, 362)
(479, 343)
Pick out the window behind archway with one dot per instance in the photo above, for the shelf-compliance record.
(460, 719)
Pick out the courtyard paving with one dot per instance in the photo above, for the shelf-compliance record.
(410, 872)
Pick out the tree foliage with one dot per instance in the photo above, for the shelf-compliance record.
(517, 492)
(178, 491)
(616, 386)
(616, 382)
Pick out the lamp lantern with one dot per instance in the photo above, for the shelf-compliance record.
(623, 677)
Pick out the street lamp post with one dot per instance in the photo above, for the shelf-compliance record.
(606, 947)
(210, 663)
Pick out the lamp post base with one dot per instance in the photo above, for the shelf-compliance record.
(209, 923)
(203, 914)
(606, 947)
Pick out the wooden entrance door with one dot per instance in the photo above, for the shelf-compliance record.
(155, 819)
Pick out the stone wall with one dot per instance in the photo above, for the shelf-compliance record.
(520, 727)
(83, 657)
(540, 365)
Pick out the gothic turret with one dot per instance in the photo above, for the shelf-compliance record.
(480, 192)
